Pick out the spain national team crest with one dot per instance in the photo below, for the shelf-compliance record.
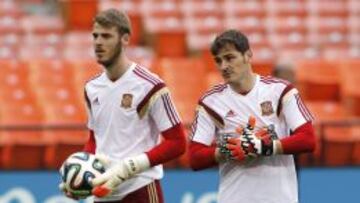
(266, 108)
(126, 101)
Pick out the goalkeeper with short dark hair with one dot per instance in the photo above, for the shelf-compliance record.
(258, 123)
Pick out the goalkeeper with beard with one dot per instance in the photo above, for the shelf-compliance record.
(128, 109)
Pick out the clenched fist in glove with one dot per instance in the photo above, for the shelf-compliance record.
(257, 143)
(230, 146)
(118, 173)
(252, 143)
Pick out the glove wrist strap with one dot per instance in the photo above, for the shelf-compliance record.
(137, 164)
(268, 148)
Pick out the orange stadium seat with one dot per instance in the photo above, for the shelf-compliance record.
(2, 144)
(13, 73)
(17, 96)
(162, 9)
(208, 60)
(337, 142)
(133, 9)
(169, 36)
(263, 53)
(286, 8)
(78, 38)
(63, 106)
(213, 78)
(84, 70)
(263, 67)
(338, 146)
(340, 51)
(295, 40)
(10, 40)
(65, 97)
(50, 73)
(332, 8)
(9, 25)
(62, 143)
(44, 51)
(350, 81)
(287, 24)
(38, 24)
(79, 20)
(318, 80)
(201, 9)
(328, 31)
(137, 28)
(186, 79)
(17, 141)
(325, 111)
(17, 145)
(209, 24)
(252, 26)
(68, 111)
(355, 130)
(164, 20)
(295, 54)
(201, 30)
(244, 8)
(10, 8)
(62, 100)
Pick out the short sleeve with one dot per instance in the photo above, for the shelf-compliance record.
(294, 110)
(163, 111)
(203, 128)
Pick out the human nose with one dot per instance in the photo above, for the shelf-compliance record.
(223, 65)
(98, 41)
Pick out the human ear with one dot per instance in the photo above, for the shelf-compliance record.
(248, 55)
(125, 39)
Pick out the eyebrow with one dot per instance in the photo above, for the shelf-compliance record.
(225, 55)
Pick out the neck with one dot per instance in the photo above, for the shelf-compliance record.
(245, 84)
(117, 69)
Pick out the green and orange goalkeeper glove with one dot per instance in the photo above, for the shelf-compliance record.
(252, 143)
(261, 143)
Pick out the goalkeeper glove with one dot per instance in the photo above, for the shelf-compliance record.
(117, 174)
(230, 146)
(259, 143)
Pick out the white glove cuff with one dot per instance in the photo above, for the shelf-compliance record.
(137, 164)
(277, 147)
(274, 147)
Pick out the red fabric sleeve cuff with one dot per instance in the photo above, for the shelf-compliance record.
(171, 147)
(302, 140)
(90, 145)
(201, 156)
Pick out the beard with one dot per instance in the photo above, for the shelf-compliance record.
(117, 52)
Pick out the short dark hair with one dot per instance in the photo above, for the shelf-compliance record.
(235, 37)
(113, 17)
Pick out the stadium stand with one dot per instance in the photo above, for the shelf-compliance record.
(46, 59)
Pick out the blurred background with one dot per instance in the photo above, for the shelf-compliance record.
(46, 56)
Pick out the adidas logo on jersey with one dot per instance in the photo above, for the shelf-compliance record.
(230, 113)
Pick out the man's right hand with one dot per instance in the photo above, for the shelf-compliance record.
(235, 148)
(107, 182)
